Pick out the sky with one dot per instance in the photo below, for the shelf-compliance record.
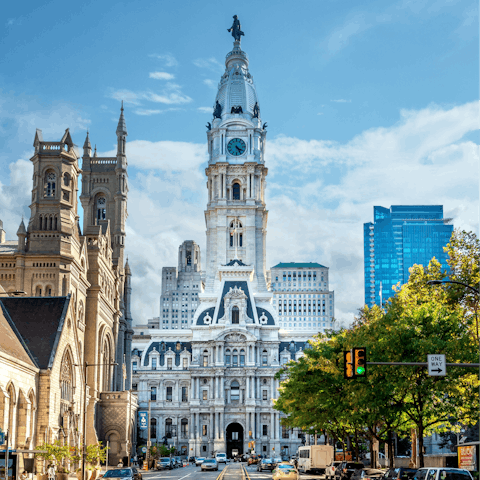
(367, 103)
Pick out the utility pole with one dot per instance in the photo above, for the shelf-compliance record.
(149, 443)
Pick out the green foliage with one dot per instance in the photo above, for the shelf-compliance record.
(96, 453)
(419, 320)
(159, 450)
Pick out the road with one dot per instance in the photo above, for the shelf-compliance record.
(234, 471)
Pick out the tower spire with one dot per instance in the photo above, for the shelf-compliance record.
(122, 127)
(87, 146)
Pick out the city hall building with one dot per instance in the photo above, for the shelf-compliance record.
(207, 364)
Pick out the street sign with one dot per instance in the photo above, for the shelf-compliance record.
(437, 366)
(144, 449)
(2, 437)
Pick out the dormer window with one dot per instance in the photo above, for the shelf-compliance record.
(101, 208)
(50, 183)
(235, 315)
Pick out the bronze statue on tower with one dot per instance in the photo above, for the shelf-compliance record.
(236, 29)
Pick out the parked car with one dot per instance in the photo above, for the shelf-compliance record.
(266, 464)
(400, 473)
(178, 461)
(221, 458)
(330, 470)
(345, 470)
(442, 473)
(368, 474)
(253, 459)
(130, 472)
(165, 463)
(199, 461)
(285, 471)
(209, 464)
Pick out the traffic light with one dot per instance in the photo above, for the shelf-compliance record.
(348, 365)
(360, 357)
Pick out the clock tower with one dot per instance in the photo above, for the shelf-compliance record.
(236, 216)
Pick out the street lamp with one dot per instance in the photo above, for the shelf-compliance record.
(84, 450)
(439, 282)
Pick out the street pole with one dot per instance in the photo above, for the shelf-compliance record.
(149, 443)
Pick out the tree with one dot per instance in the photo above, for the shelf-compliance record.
(54, 453)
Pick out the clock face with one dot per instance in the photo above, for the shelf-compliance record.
(236, 147)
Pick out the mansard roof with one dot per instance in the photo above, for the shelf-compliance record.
(164, 347)
(299, 265)
(39, 322)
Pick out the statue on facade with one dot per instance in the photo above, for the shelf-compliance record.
(217, 111)
(209, 125)
(256, 110)
(236, 29)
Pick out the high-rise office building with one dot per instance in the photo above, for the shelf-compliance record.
(400, 237)
(301, 296)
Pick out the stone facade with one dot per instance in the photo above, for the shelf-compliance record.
(52, 258)
(211, 386)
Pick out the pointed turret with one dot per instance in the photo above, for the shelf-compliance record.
(87, 146)
(122, 126)
(22, 235)
(128, 272)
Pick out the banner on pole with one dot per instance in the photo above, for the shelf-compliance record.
(143, 420)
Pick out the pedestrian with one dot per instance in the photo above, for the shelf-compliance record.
(120, 464)
(51, 472)
(24, 475)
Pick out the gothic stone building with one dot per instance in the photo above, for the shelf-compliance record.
(210, 379)
(73, 302)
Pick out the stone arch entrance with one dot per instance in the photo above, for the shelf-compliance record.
(234, 438)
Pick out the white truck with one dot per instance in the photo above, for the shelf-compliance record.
(315, 458)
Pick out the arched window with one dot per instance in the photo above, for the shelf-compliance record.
(153, 428)
(227, 357)
(168, 427)
(236, 233)
(242, 358)
(48, 291)
(205, 358)
(66, 385)
(38, 291)
(235, 391)
(101, 208)
(106, 367)
(184, 428)
(66, 180)
(50, 183)
(235, 358)
(264, 358)
(236, 191)
(235, 315)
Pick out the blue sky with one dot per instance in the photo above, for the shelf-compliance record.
(368, 103)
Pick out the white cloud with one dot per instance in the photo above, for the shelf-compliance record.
(161, 75)
(205, 109)
(170, 95)
(210, 64)
(210, 83)
(168, 59)
(147, 112)
(341, 100)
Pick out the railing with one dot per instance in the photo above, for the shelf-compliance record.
(103, 161)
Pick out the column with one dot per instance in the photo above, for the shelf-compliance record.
(191, 426)
(278, 426)
(199, 433)
(222, 424)
(198, 388)
(210, 434)
(272, 426)
(192, 389)
(272, 386)
(223, 387)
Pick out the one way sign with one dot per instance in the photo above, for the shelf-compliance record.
(437, 366)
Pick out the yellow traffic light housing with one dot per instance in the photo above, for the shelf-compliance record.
(348, 371)
(360, 361)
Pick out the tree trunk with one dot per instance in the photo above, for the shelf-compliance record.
(420, 445)
(357, 451)
(413, 460)
(391, 463)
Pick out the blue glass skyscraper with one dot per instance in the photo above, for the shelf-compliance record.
(400, 237)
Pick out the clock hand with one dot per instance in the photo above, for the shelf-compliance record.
(236, 146)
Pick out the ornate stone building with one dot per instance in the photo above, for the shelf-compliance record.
(211, 385)
(82, 283)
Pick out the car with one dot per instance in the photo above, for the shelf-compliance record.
(253, 459)
(191, 459)
(199, 461)
(130, 472)
(209, 464)
(165, 463)
(400, 473)
(330, 470)
(178, 461)
(368, 474)
(442, 473)
(221, 458)
(266, 464)
(345, 470)
(277, 460)
(285, 471)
